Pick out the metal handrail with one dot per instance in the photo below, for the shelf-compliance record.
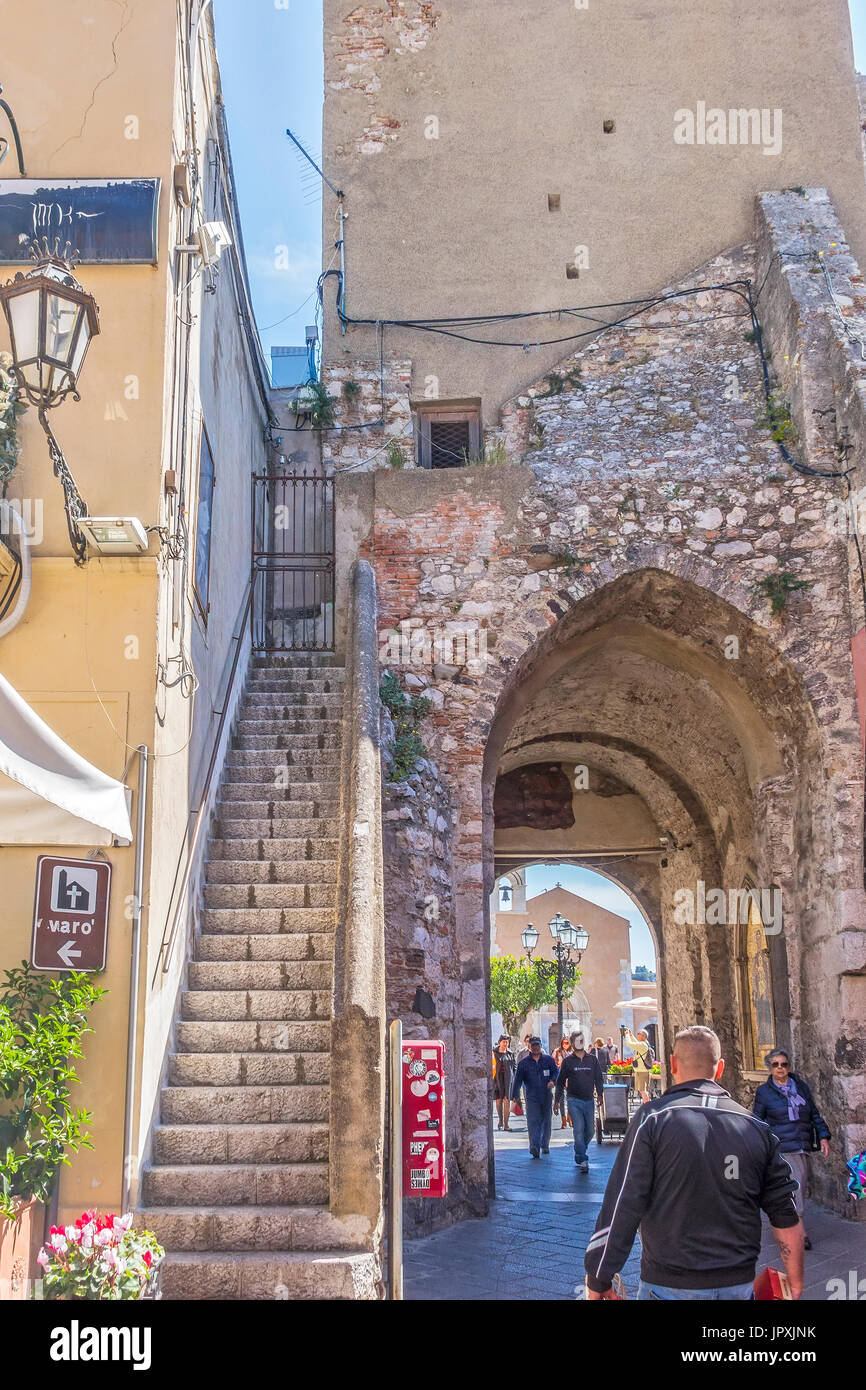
(168, 946)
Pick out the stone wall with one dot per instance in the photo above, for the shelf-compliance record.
(611, 585)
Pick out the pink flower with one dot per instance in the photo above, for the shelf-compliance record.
(43, 1258)
(123, 1223)
(104, 1237)
(58, 1243)
(72, 1234)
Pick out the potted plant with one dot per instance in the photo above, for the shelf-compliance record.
(42, 1022)
(100, 1257)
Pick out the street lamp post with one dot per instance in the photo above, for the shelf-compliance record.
(51, 321)
(563, 967)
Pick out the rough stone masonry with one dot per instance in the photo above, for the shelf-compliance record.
(656, 575)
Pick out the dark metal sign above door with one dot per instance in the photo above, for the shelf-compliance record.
(107, 221)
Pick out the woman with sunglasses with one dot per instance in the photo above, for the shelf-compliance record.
(785, 1103)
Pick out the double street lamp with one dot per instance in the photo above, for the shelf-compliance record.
(563, 967)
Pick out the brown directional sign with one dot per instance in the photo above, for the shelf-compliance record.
(70, 920)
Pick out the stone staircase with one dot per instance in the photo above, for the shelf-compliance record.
(238, 1187)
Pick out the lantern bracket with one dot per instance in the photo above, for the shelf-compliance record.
(73, 503)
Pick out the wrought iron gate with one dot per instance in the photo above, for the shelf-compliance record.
(292, 563)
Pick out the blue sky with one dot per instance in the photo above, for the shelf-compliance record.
(272, 73)
(540, 877)
(271, 62)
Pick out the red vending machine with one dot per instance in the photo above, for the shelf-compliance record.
(423, 1072)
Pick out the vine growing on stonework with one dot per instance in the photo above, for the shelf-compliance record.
(406, 712)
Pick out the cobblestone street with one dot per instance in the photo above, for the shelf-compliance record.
(532, 1244)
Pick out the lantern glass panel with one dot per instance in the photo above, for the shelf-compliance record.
(581, 938)
(529, 937)
(81, 345)
(61, 321)
(23, 312)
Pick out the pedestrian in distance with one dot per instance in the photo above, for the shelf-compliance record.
(642, 1062)
(504, 1067)
(785, 1102)
(612, 1049)
(524, 1051)
(559, 1055)
(537, 1073)
(579, 1076)
(599, 1050)
(694, 1173)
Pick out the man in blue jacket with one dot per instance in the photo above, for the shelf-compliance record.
(785, 1103)
(537, 1073)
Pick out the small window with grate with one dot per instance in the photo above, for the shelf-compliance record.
(449, 436)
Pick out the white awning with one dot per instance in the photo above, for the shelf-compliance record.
(49, 794)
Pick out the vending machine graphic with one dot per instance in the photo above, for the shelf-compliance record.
(423, 1074)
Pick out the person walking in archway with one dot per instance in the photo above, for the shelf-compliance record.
(785, 1102)
(559, 1055)
(579, 1077)
(537, 1073)
(700, 1230)
(504, 1067)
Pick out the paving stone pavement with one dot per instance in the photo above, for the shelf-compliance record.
(532, 1244)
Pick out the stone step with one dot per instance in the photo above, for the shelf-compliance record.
(291, 757)
(326, 827)
(313, 1005)
(241, 785)
(253, 1036)
(279, 741)
(292, 705)
(279, 1275)
(297, 871)
(288, 686)
(251, 1228)
(243, 1105)
(267, 921)
(298, 1143)
(315, 946)
(291, 727)
(277, 1068)
(239, 1184)
(280, 661)
(270, 848)
(270, 895)
(256, 975)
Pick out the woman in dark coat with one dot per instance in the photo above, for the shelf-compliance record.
(504, 1066)
(785, 1103)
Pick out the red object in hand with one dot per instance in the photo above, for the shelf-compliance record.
(772, 1285)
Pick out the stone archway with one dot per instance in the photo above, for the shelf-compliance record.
(733, 767)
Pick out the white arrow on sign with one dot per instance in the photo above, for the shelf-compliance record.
(68, 953)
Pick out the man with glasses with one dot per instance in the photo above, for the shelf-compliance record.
(785, 1103)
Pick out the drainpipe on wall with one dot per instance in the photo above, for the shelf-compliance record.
(134, 971)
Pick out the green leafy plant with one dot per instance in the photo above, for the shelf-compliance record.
(493, 456)
(315, 401)
(394, 455)
(775, 416)
(556, 383)
(407, 713)
(100, 1257)
(11, 408)
(778, 587)
(42, 1022)
(517, 988)
(351, 390)
(568, 562)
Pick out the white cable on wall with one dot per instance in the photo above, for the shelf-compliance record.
(7, 513)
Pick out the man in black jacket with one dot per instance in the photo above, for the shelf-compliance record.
(578, 1075)
(694, 1173)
